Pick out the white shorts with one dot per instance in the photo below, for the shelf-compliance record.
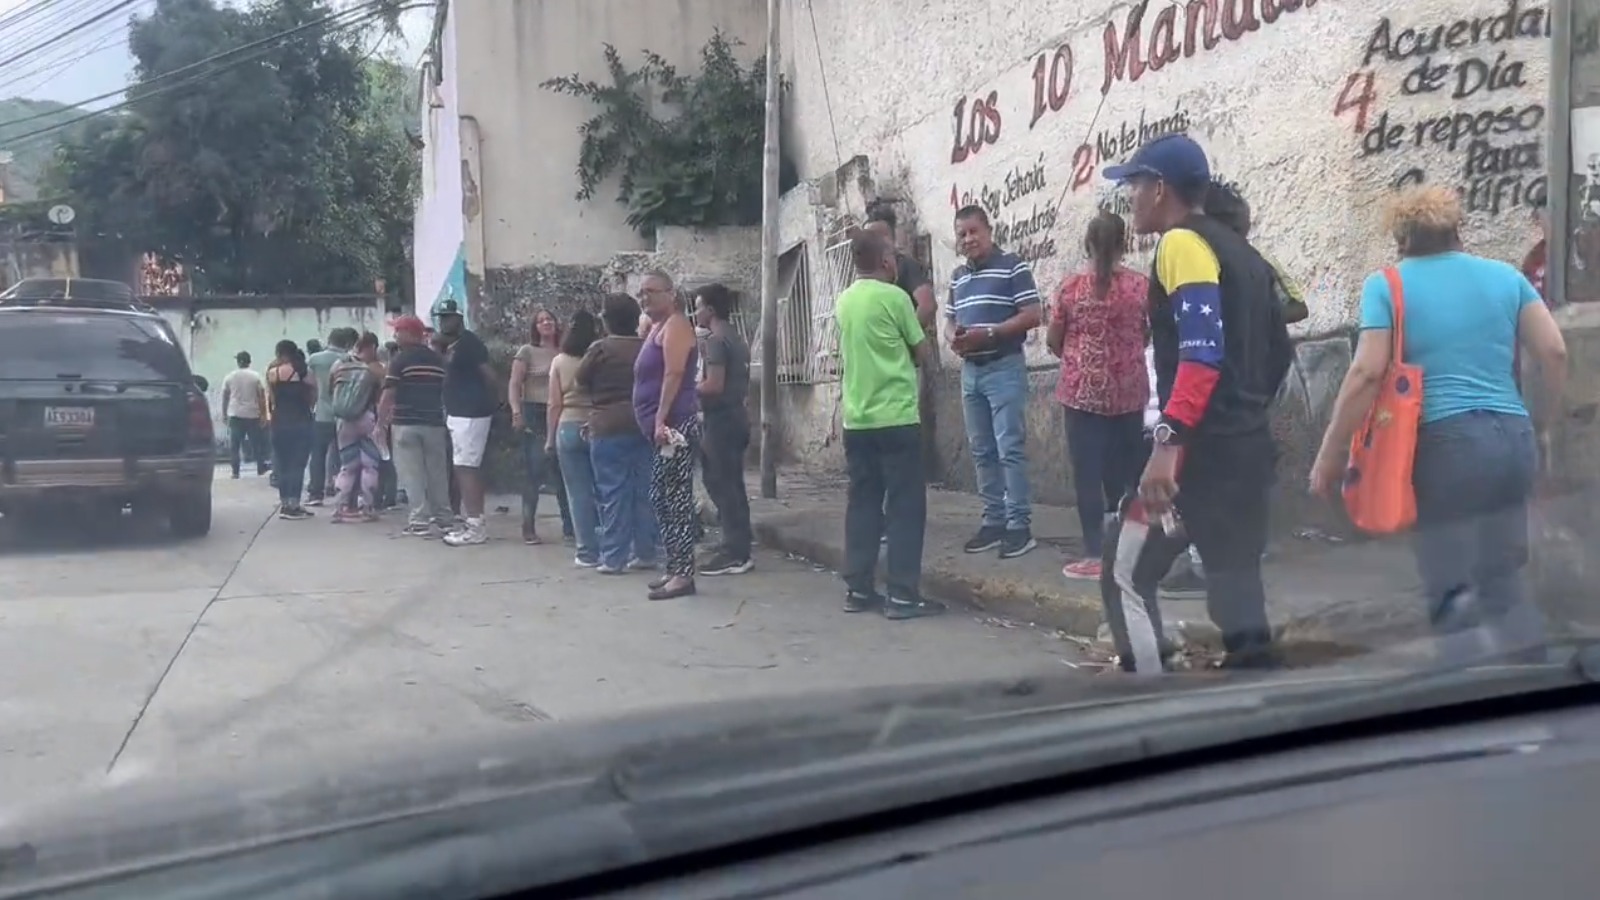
(468, 438)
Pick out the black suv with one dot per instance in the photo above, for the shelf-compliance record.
(97, 403)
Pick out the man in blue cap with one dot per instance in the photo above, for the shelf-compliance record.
(1221, 348)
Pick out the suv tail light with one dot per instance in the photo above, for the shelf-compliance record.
(201, 431)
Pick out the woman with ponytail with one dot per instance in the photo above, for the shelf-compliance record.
(1098, 329)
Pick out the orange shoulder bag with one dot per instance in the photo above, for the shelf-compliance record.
(1377, 482)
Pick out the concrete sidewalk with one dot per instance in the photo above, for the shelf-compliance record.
(1327, 598)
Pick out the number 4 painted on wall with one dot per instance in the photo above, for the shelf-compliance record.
(1358, 95)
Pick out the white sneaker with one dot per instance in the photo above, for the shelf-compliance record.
(474, 533)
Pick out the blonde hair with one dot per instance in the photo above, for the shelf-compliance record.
(1424, 219)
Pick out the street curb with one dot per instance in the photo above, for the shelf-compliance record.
(1306, 640)
(1003, 597)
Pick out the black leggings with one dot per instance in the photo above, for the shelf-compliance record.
(1107, 455)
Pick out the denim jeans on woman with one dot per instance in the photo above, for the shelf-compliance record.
(577, 472)
(628, 531)
(1474, 478)
(540, 468)
(994, 400)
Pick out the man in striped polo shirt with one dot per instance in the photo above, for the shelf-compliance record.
(993, 305)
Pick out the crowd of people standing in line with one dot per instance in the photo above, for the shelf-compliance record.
(1167, 382)
(614, 411)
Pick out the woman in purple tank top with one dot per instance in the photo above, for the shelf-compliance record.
(667, 408)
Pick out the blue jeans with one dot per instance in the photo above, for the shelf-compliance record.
(577, 473)
(540, 466)
(1474, 477)
(622, 465)
(994, 400)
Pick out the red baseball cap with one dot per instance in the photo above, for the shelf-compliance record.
(409, 325)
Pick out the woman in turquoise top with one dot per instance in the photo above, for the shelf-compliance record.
(1478, 451)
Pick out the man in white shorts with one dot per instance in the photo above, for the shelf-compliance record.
(471, 396)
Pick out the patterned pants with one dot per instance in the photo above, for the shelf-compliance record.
(359, 456)
(672, 495)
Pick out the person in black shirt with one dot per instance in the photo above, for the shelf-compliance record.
(909, 275)
(471, 396)
(413, 405)
(1220, 340)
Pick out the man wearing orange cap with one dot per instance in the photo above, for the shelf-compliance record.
(413, 405)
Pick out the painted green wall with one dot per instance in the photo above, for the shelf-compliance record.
(211, 337)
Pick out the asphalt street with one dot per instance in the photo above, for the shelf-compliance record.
(126, 653)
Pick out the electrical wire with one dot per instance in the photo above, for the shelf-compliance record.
(22, 14)
(237, 56)
(60, 36)
(827, 100)
(61, 57)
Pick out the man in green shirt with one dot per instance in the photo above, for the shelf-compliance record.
(881, 343)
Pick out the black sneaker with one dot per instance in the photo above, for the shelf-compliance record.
(294, 513)
(721, 563)
(1016, 542)
(987, 538)
(899, 608)
(1184, 584)
(856, 601)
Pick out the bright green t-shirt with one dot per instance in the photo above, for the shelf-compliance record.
(877, 328)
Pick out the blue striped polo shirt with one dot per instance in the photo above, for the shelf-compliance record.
(989, 293)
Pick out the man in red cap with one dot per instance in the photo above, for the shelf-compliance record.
(413, 405)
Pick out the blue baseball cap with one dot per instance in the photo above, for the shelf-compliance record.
(1175, 158)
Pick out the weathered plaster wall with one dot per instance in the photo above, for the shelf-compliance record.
(439, 251)
(692, 256)
(530, 134)
(1314, 108)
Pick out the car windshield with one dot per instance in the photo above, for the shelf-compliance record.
(1092, 360)
(105, 346)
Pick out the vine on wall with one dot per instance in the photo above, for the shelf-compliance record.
(686, 147)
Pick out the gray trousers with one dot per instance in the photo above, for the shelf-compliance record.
(421, 460)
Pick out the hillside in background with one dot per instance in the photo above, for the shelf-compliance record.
(31, 155)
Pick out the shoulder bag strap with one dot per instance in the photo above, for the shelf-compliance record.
(1397, 329)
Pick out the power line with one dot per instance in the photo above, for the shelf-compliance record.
(260, 48)
(23, 13)
(69, 54)
(63, 35)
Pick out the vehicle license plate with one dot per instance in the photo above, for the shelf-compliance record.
(68, 416)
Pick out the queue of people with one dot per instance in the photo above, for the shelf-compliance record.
(1166, 384)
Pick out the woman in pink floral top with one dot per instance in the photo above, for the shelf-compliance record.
(1098, 328)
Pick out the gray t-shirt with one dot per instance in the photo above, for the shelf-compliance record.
(730, 351)
(321, 365)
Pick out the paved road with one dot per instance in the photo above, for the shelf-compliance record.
(132, 653)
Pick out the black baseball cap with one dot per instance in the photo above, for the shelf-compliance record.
(1173, 158)
(448, 308)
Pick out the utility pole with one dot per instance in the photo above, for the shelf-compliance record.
(1558, 156)
(769, 263)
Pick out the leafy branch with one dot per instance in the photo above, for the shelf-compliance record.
(696, 164)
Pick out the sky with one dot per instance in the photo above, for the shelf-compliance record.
(95, 61)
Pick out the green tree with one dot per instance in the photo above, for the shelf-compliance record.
(697, 164)
(273, 168)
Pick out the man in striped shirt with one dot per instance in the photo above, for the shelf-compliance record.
(994, 303)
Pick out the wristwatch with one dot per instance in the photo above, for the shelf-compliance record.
(1166, 435)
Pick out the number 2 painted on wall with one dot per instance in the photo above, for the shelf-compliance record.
(1357, 95)
(1082, 165)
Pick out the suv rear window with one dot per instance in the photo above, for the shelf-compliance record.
(51, 345)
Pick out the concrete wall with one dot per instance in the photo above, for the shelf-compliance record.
(1315, 109)
(213, 331)
(439, 245)
(528, 240)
